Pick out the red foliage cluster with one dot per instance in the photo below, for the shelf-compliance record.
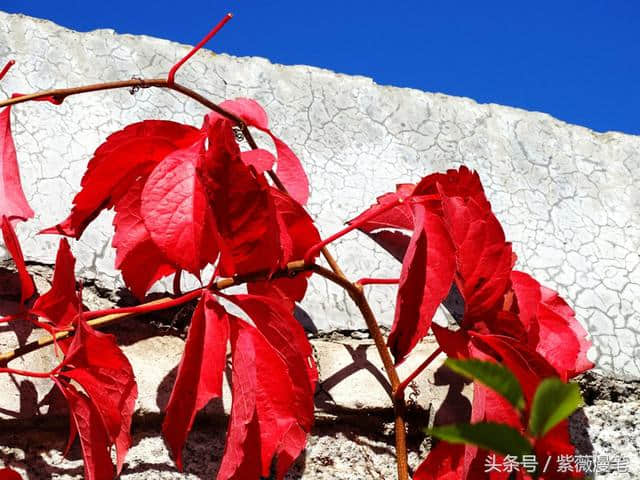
(457, 255)
(187, 198)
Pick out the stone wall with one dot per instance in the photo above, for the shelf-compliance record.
(566, 196)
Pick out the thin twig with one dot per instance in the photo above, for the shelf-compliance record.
(418, 370)
(377, 281)
(209, 36)
(6, 68)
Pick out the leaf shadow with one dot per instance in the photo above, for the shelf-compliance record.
(203, 453)
(455, 408)
(323, 398)
(35, 447)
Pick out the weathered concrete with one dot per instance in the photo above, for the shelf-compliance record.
(331, 455)
(352, 438)
(568, 197)
(351, 449)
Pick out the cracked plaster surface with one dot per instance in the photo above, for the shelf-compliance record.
(566, 196)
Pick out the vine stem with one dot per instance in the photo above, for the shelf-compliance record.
(402, 387)
(377, 281)
(335, 275)
(26, 373)
(397, 396)
(313, 251)
(6, 68)
(209, 36)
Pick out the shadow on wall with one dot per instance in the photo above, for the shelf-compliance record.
(41, 450)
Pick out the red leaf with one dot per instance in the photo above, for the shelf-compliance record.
(454, 343)
(60, 304)
(290, 171)
(488, 406)
(93, 437)
(289, 168)
(297, 235)
(237, 463)
(243, 207)
(9, 474)
(175, 210)
(275, 321)
(444, 462)
(552, 328)
(13, 203)
(137, 256)
(277, 325)
(264, 416)
(249, 111)
(113, 392)
(455, 183)
(124, 157)
(199, 374)
(399, 217)
(96, 362)
(483, 256)
(261, 160)
(427, 274)
(27, 287)
(556, 442)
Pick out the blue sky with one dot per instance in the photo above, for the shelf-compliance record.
(577, 60)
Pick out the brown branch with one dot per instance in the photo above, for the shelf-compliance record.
(335, 275)
(103, 318)
(397, 397)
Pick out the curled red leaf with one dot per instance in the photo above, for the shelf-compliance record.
(200, 372)
(289, 168)
(102, 415)
(93, 436)
(27, 287)
(13, 203)
(123, 158)
(60, 305)
(427, 274)
(552, 328)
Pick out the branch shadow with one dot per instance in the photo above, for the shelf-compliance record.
(323, 398)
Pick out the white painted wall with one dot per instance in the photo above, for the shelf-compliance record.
(567, 197)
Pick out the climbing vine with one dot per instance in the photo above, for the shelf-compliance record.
(187, 198)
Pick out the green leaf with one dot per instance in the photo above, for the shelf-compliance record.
(553, 401)
(496, 437)
(493, 375)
